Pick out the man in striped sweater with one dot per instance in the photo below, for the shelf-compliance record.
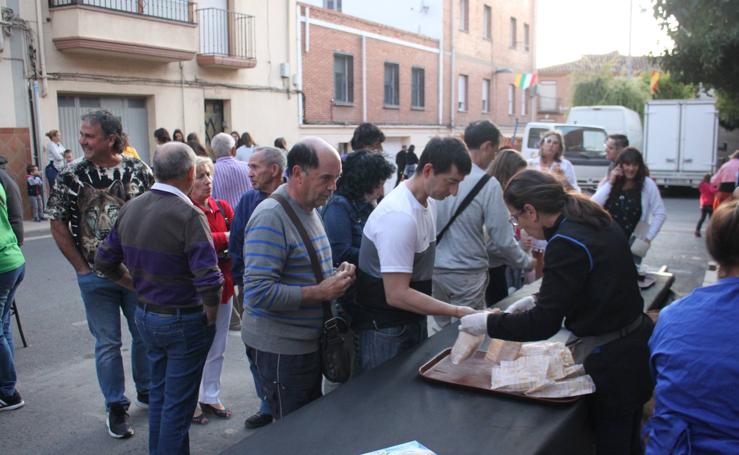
(283, 314)
(162, 248)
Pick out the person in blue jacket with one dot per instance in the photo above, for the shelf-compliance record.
(694, 359)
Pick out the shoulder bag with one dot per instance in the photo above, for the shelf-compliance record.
(337, 339)
(465, 202)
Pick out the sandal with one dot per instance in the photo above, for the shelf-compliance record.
(200, 419)
(210, 409)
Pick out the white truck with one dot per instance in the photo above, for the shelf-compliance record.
(584, 148)
(680, 140)
(614, 119)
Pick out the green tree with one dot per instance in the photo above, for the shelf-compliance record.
(706, 37)
(602, 89)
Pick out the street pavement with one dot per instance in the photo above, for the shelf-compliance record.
(64, 410)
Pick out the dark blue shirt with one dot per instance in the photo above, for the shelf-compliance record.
(344, 222)
(696, 368)
(244, 209)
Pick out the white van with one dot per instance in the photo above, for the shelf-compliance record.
(614, 119)
(584, 147)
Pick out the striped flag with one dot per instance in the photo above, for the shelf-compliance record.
(525, 80)
(654, 82)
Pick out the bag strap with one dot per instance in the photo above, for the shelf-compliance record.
(223, 214)
(314, 262)
(467, 201)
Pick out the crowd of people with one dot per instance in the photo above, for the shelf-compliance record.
(256, 238)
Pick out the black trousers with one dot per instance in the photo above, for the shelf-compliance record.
(497, 286)
(706, 211)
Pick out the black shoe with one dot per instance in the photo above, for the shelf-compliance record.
(117, 422)
(142, 399)
(10, 403)
(258, 420)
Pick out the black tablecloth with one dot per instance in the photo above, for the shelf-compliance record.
(392, 404)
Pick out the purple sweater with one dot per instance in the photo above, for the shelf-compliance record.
(166, 245)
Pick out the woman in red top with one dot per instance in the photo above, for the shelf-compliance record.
(219, 215)
(708, 192)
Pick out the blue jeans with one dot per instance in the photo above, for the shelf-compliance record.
(377, 346)
(178, 345)
(104, 300)
(263, 403)
(288, 382)
(9, 282)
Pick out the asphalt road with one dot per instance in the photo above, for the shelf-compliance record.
(64, 410)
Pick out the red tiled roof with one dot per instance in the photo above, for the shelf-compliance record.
(617, 62)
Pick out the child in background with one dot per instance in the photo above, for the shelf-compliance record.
(708, 192)
(35, 187)
(68, 157)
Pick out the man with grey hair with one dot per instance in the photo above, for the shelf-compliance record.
(231, 177)
(169, 260)
(84, 203)
(282, 302)
(266, 167)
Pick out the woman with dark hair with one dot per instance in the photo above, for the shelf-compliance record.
(281, 143)
(247, 147)
(590, 283)
(633, 200)
(194, 142)
(507, 163)
(178, 135)
(162, 136)
(237, 138)
(362, 178)
(693, 356)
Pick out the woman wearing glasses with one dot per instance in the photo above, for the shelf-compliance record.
(551, 149)
(590, 283)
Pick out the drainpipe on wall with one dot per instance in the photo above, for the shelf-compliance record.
(182, 93)
(452, 69)
(299, 57)
(440, 73)
(41, 49)
(364, 78)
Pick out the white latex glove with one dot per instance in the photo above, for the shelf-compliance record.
(521, 305)
(475, 324)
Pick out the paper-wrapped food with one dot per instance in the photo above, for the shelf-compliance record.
(465, 346)
(545, 370)
(500, 350)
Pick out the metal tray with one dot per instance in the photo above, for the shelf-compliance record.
(473, 374)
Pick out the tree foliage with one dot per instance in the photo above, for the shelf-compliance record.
(706, 37)
(668, 88)
(593, 89)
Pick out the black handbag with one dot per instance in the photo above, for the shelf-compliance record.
(337, 339)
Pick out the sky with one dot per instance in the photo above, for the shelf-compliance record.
(568, 29)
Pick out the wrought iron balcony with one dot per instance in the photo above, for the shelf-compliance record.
(154, 30)
(227, 39)
(173, 10)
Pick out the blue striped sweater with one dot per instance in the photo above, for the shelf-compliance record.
(276, 266)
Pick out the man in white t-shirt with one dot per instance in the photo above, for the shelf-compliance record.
(396, 258)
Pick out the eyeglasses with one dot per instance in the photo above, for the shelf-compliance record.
(513, 219)
(551, 140)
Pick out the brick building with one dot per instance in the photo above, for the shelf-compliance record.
(422, 71)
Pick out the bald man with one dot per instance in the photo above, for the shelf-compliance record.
(282, 317)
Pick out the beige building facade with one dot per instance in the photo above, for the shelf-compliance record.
(205, 67)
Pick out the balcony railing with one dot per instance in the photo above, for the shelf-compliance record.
(226, 34)
(550, 104)
(173, 10)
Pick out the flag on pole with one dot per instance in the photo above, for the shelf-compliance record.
(654, 82)
(525, 80)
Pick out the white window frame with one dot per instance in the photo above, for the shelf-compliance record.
(486, 96)
(462, 86)
(511, 100)
(332, 4)
(393, 83)
(348, 78)
(418, 88)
